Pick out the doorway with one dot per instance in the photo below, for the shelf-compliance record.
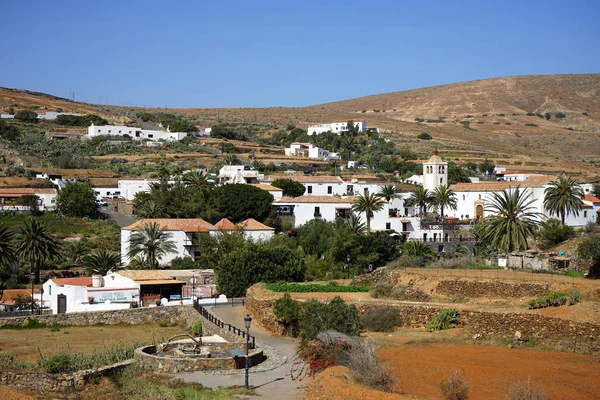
(62, 303)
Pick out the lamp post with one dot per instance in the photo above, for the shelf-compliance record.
(41, 299)
(32, 277)
(348, 264)
(247, 322)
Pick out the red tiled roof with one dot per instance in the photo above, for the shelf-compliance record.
(591, 199)
(173, 224)
(253, 225)
(25, 191)
(317, 199)
(267, 187)
(225, 225)
(83, 281)
(530, 182)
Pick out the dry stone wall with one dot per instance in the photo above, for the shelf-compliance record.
(497, 289)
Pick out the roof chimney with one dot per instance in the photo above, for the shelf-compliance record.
(435, 152)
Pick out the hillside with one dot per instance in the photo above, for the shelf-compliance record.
(537, 122)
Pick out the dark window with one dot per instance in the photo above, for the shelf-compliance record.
(329, 189)
(317, 211)
(388, 225)
(309, 189)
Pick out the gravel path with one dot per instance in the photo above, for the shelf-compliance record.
(270, 379)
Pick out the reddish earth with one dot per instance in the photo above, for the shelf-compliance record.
(7, 394)
(420, 367)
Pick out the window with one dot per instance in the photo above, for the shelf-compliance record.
(479, 197)
(309, 189)
(119, 131)
(388, 225)
(441, 181)
(151, 136)
(109, 131)
(329, 189)
(50, 290)
(585, 214)
(99, 131)
(317, 211)
(464, 197)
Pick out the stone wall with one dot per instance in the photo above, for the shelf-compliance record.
(134, 316)
(492, 324)
(497, 289)
(57, 382)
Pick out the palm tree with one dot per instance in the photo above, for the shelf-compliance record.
(355, 224)
(102, 261)
(231, 159)
(442, 198)
(348, 145)
(151, 209)
(563, 197)
(7, 248)
(511, 222)
(369, 204)
(422, 198)
(139, 262)
(75, 251)
(152, 242)
(196, 180)
(417, 249)
(388, 192)
(36, 245)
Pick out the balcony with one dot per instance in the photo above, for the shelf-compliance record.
(425, 225)
(188, 242)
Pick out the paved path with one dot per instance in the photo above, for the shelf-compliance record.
(120, 218)
(272, 384)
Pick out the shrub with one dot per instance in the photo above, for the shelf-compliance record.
(26, 116)
(455, 387)
(315, 356)
(531, 125)
(560, 115)
(367, 369)
(443, 320)
(555, 299)
(547, 115)
(314, 288)
(317, 317)
(449, 263)
(381, 290)
(196, 329)
(525, 391)
(287, 311)
(424, 136)
(381, 319)
(419, 119)
(553, 232)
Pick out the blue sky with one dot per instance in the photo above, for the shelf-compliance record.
(256, 53)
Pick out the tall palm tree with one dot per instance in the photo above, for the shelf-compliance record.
(75, 251)
(7, 246)
(355, 224)
(422, 198)
(417, 249)
(102, 261)
(348, 145)
(369, 204)
(563, 197)
(151, 209)
(196, 179)
(512, 221)
(388, 192)
(442, 198)
(152, 242)
(231, 159)
(36, 245)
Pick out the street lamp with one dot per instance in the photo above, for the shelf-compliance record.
(247, 322)
(348, 264)
(32, 277)
(41, 299)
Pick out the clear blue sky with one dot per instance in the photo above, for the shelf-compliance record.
(255, 53)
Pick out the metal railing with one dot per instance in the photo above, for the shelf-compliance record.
(231, 328)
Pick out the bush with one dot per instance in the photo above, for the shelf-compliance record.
(381, 319)
(290, 187)
(553, 232)
(555, 299)
(317, 317)
(455, 387)
(331, 287)
(589, 249)
(381, 290)
(443, 320)
(196, 329)
(26, 116)
(367, 369)
(560, 115)
(525, 391)
(287, 311)
(424, 136)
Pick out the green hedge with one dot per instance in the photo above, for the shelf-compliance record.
(297, 288)
(555, 299)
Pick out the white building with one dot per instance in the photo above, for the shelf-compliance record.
(338, 127)
(251, 228)
(238, 174)
(134, 133)
(435, 172)
(514, 176)
(128, 188)
(276, 192)
(10, 198)
(309, 150)
(322, 185)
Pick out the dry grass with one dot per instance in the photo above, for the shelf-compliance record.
(25, 344)
(525, 391)
(455, 387)
(367, 369)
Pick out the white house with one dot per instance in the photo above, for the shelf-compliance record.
(309, 150)
(134, 133)
(338, 127)
(128, 188)
(10, 198)
(181, 230)
(238, 174)
(251, 228)
(323, 185)
(276, 192)
(514, 176)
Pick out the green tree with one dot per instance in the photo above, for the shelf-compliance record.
(512, 221)
(180, 125)
(315, 237)
(77, 199)
(197, 180)
(36, 245)
(8, 132)
(151, 209)
(242, 268)
(563, 197)
(388, 192)
(7, 245)
(317, 317)
(102, 261)
(369, 204)
(352, 128)
(231, 159)
(422, 198)
(32, 201)
(238, 202)
(26, 116)
(442, 198)
(553, 232)
(417, 249)
(486, 167)
(348, 145)
(290, 187)
(287, 311)
(76, 251)
(457, 174)
(589, 249)
(152, 243)
(356, 225)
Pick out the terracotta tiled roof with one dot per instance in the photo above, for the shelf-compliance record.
(225, 225)
(530, 182)
(104, 182)
(25, 191)
(22, 181)
(159, 282)
(253, 225)
(82, 173)
(173, 224)
(591, 199)
(83, 281)
(10, 295)
(307, 179)
(267, 187)
(316, 199)
(144, 275)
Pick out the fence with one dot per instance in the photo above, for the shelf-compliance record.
(231, 328)
(25, 313)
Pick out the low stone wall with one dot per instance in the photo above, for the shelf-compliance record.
(135, 316)
(493, 324)
(146, 359)
(472, 289)
(57, 382)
